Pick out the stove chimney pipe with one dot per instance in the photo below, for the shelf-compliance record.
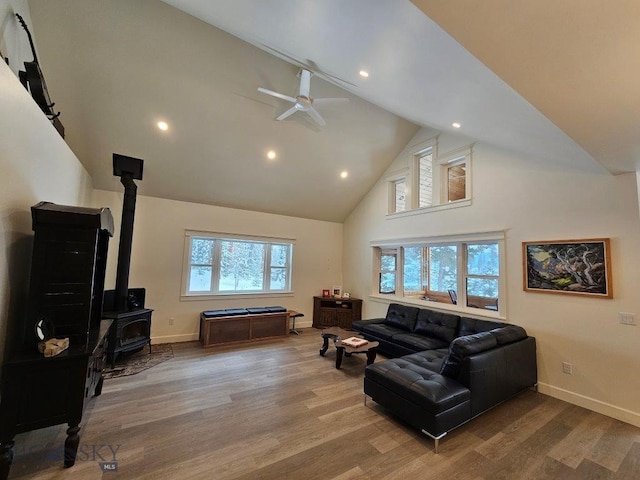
(128, 169)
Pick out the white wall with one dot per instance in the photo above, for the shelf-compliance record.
(35, 165)
(534, 199)
(157, 258)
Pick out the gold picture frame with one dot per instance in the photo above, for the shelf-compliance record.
(570, 267)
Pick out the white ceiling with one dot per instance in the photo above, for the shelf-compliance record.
(114, 67)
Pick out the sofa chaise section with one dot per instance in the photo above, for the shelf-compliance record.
(474, 366)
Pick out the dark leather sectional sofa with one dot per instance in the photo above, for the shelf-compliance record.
(449, 369)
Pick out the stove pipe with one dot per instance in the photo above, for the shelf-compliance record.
(128, 169)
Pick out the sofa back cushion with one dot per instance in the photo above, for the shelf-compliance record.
(439, 325)
(508, 334)
(463, 347)
(470, 326)
(401, 316)
(468, 345)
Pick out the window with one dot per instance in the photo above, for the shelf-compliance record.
(232, 265)
(388, 271)
(425, 178)
(466, 270)
(455, 175)
(442, 266)
(482, 275)
(432, 182)
(414, 275)
(456, 187)
(399, 195)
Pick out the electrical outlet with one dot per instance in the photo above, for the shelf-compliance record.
(567, 368)
(171, 320)
(627, 318)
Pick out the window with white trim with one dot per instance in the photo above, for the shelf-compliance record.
(398, 195)
(218, 264)
(465, 270)
(388, 272)
(424, 178)
(433, 182)
(455, 174)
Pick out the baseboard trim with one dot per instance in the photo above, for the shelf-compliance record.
(185, 337)
(589, 403)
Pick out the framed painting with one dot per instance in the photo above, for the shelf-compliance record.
(573, 267)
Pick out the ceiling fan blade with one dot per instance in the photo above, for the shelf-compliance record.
(330, 100)
(288, 113)
(313, 113)
(277, 95)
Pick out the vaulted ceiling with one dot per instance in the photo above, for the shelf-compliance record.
(116, 67)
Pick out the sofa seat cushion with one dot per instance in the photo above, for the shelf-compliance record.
(425, 388)
(429, 359)
(381, 330)
(418, 342)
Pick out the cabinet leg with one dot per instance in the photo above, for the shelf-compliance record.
(6, 458)
(71, 445)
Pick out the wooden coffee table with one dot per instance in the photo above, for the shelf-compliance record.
(336, 334)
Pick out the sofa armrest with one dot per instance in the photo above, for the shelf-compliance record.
(498, 374)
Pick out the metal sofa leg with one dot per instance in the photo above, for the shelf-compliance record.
(436, 440)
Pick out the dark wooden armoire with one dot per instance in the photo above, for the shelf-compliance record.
(66, 291)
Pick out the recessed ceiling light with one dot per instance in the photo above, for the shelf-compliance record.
(456, 125)
(344, 174)
(164, 126)
(271, 154)
(364, 74)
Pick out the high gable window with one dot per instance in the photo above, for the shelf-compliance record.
(218, 264)
(456, 168)
(425, 178)
(433, 182)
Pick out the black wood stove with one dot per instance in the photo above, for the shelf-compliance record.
(131, 328)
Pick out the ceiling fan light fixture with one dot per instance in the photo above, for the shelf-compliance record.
(303, 102)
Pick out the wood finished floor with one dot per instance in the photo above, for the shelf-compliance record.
(277, 410)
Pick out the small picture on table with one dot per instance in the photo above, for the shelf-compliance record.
(326, 293)
(337, 291)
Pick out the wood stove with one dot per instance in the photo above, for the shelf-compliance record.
(131, 329)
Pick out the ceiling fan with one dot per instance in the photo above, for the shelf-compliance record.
(304, 102)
